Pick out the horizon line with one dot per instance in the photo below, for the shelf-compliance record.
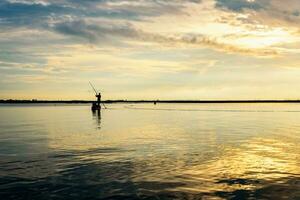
(153, 101)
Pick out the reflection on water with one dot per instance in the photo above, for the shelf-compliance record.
(248, 151)
(97, 116)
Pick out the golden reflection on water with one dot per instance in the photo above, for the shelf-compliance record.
(260, 161)
(211, 153)
(259, 158)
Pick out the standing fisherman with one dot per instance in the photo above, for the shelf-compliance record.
(98, 99)
(96, 105)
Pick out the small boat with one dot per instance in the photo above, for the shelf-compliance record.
(95, 106)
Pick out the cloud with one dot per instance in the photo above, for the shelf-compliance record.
(203, 41)
(99, 33)
(111, 21)
(95, 32)
(267, 12)
(38, 12)
(21, 13)
(240, 5)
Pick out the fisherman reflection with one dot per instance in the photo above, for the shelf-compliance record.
(97, 116)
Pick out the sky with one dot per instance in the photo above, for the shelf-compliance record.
(150, 49)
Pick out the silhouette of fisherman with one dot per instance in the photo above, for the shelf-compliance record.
(97, 105)
(98, 99)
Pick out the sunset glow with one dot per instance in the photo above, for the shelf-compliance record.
(144, 49)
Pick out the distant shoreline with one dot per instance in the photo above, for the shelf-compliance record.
(142, 101)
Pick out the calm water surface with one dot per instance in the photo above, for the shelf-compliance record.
(142, 151)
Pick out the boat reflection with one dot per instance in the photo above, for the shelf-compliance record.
(97, 117)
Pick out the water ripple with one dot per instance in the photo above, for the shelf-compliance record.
(222, 152)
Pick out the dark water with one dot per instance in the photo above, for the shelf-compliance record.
(217, 151)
